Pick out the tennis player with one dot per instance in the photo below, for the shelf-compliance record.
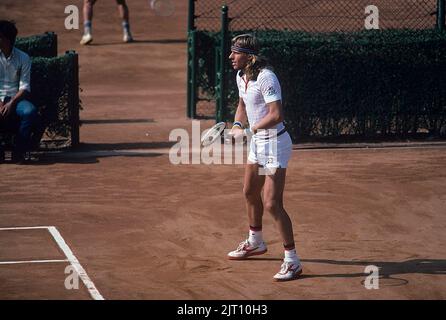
(87, 37)
(270, 149)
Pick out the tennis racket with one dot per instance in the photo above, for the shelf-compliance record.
(211, 135)
(164, 8)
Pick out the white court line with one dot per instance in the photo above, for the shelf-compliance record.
(33, 261)
(94, 293)
(24, 228)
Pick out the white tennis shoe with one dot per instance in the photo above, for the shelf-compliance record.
(245, 250)
(288, 271)
(127, 37)
(87, 38)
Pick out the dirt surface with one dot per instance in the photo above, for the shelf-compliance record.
(144, 228)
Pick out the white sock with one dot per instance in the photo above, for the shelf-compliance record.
(87, 27)
(291, 256)
(255, 237)
(126, 27)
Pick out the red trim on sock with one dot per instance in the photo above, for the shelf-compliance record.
(289, 247)
(255, 228)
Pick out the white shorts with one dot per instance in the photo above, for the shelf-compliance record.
(271, 153)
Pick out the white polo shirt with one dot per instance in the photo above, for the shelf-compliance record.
(257, 93)
(15, 73)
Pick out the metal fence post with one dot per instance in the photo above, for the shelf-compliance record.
(440, 15)
(192, 74)
(73, 99)
(222, 102)
(191, 16)
(191, 63)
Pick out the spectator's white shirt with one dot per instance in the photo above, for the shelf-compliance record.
(15, 73)
(257, 93)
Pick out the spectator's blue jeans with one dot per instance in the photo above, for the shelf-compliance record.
(28, 120)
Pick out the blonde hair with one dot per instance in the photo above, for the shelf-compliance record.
(256, 62)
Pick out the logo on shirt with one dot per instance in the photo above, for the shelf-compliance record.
(271, 91)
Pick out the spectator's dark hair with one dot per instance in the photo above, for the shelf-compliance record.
(8, 30)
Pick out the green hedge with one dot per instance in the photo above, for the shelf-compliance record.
(366, 84)
(42, 45)
(51, 82)
(52, 85)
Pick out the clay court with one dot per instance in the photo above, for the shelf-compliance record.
(143, 228)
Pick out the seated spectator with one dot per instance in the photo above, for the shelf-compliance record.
(15, 88)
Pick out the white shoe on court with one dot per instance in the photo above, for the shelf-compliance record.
(127, 37)
(87, 38)
(245, 250)
(288, 271)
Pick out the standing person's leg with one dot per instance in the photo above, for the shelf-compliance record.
(273, 204)
(88, 17)
(252, 189)
(88, 10)
(123, 10)
(29, 118)
(125, 17)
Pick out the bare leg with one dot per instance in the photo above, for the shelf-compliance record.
(252, 190)
(88, 16)
(88, 9)
(273, 203)
(124, 14)
(123, 10)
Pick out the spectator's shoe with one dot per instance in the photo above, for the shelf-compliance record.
(288, 271)
(87, 38)
(245, 250)
(127, 37)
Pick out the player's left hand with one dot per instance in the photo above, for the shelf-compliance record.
(237, 132)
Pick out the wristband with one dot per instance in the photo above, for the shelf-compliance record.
(237, 124)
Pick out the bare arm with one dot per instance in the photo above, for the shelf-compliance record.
(274, 117)
(240, 114)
